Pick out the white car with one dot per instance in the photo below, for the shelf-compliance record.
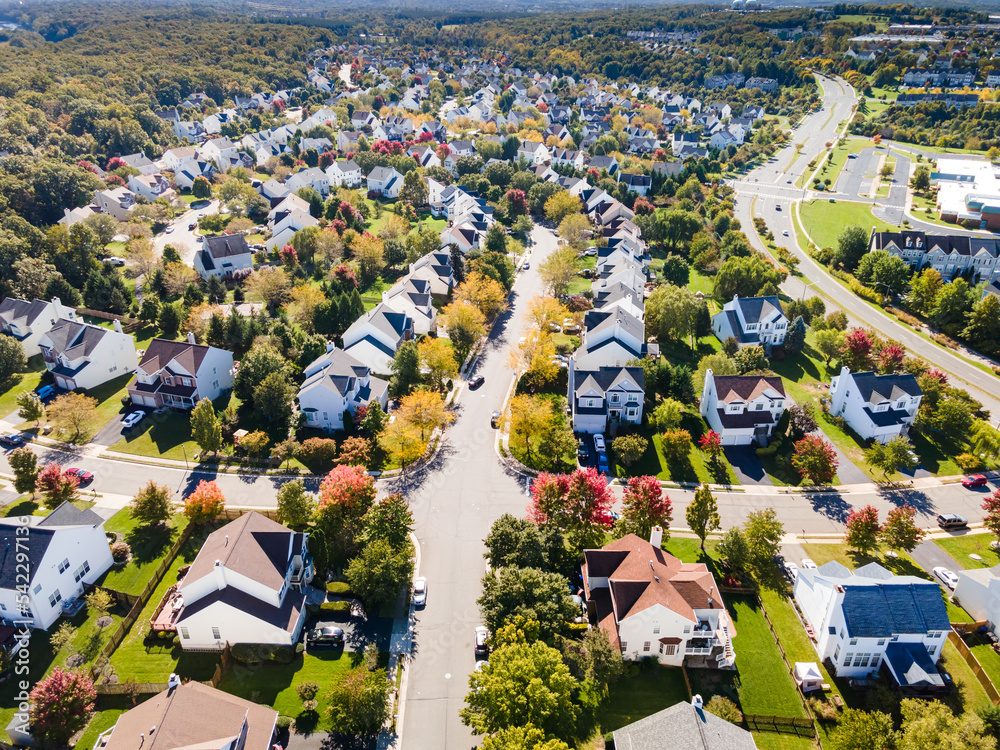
(808, 564)
(169, 229)
(948, 578)
(792, 570)
(599, 443)
(419, 592)
(133, 419)
(785, 233)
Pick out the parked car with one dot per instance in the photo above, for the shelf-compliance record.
(113, 260)
(192, 226)
(482, 650)
(947, 577)
(602, 463)
(82, 476)
(326, 636)
(477, 381)
(808, 564)
(169, 229)
(582, 450)
(133, 419)
(495, 419)
(792, 571)
(45, 391)
(952, 521)
(9, 438)
(974, 480)
(599, 442)
(419, 592)
(527, 265)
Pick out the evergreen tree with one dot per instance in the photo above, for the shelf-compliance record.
(795, 339)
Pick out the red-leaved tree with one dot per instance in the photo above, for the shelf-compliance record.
(345, 496)
(579, 504)
(815, 460)
(205, 503)
(890, 358)
(856, 352)
(711, 443)
(61, 705)
(517, 203)
(645, 505)
(863, 530)
(992, 518)
(55, 485)
(900, 531)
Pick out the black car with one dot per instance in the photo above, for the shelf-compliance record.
(495, 420)
(477, 381)
(326, 636)
(582, 450)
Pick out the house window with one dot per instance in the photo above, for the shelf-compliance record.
(55, 598)
(758, 407)
(632, 412)
(624, 646)
(881, 641)
(615, 398)
(185, 634)
(81, 571)
(645, 646)
(38, 587)
(671, 649)
(752, 327)
(656, 630)
(848, 658)
(661, 648)
(854, 641)
(64, 565)
(836, 654)
(687, 628)
(216, 634)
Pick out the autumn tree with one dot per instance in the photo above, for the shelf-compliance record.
(466, 326)
(438, 358)
(578, 504)
(205, 503)
(73, 412)
(991, 521)
(815, 460)
(531, 417)
(402, 442)
(61, 704)
(667, 415)
(703, 514)
(900, 531)
(345, 495)
(369, 251)
(863, 530)
(355, 451)
(24, 463)
(271, 285)
(151, 504)
(629, 448)
(206, 430)
(55, 485)
(560, 205)
(485, 294)
(557, 270)
(856, 351)
(545, 312)
(645, 505)
(426, 410)
(535, 359)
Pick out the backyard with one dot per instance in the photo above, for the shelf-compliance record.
(150, 545)
(16, 384)
(640, 693)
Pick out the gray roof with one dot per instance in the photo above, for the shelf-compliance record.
(912, 666)
(226, 245)
(683, 727)
(36, 543)
(756, 309)
(20, 312)
(337, 370)
(875, 389)
(604, 379)
(384, 319)
(75, 339)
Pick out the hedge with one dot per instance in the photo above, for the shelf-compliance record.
(339, 588)
(335, 607)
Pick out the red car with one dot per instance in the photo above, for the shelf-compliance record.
(81, 476)
(975, 480)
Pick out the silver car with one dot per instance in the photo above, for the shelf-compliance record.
(419, 592)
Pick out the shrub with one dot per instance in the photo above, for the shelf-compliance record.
(283, 722)
(724, 709)
(339, 588)
(341, 606)
(824, 710)
(904, 316)
(944, 340)
(968, 461)
(254, 653)
(864, 292)
(120, 551)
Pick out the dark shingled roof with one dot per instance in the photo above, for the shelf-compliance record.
(911, 665)
(907, 606)
(683, 727)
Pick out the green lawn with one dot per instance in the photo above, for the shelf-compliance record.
(825, 221)
(149, 546)
(99, 722)
(166, 435)
(151, 660)
(637, 696)
(16, 384)
(988, 659)
(960, 547)
(109, 399)
(781, 609)
(838, 158)
(971, 695)
(780, 741)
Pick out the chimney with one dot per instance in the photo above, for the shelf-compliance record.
(191, 337)
(696, 701)
(656, 536)
(118, 326)
(220, 575)
(329, 347)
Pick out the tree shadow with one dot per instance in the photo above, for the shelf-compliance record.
(830, 504)
(900, 496)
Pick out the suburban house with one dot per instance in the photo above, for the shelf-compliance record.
(81, 355)
(193, 715)
(948, 254)
(650, 604)
(978, 590)
(752, 321)
(219, 150)
(223, 255)
(313, 177)
(605, 393)
(191, 170)
(385, 182)
(435, 268)
(285, 229)
(151, 186)
(245, 586)
(179, 374)
(115, 202)
(877, 407)
(336, 383)
(413, 297)
(611, 337)
(65, 550)
(375, 336)
(619, 295)
(29, 321)
(344, 174)
(869, 617)
(742, 409)
(683, 726)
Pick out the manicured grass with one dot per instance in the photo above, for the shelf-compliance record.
(637, 696)
(781, 609)
(99, 722)
(960, 547)
(109, 399)
(825, 221)
(166, 435)
(833, 166)
(989, 660)
(16, 384)
(971, 693)
(781, 741)
(149, 546)
(153, 660)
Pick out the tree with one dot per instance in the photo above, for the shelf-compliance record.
(745, 276)
(358, 703)
(201, 188)
(629, 448)
(560, 205)
(486, 294)
(495, 240)
(346, 494)
(734, 550)
(401, 441)
(575, 230)
(931, 725)
(55, 485)
(73, 411)
(921, 179)
(667, 415)
(24, 464)
(438, 358)
(405, 369)
(703, 514)
(672, 312)
(924, 290)
(151, 504)
(991, 521)
(389, 519)
(829, 343)
(953, 304)
(526, 685)
(900, 531)
(676, 445)
(983, 328)
(255, 444)
(295, 505)
(99, 600)
(802, 419)
(795, 339)
(63, 636)
(545, 312)
(750, 359)
(679, 226)
(762, 531)
(206, 430)
(30, 407)
(862, 730)
(892, 456)
(272, 399)
(262, 360)
(863, 530)
(531, 417)
(884, 272)
(466, 325)
(378, 573)
(61, 704)
(534, 357)
(414, 190)
(852, 244)
(426, 410)
(12, 359)
(538, 595)
(205, 503)
(355, 451)
(271, 285)
(719, 363)
(369, 252)
(815, 460)
(578, 504)
(519, 543)
(558, 269)
(645, 505)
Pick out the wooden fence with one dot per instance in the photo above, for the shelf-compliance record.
(782, 724)
(975, 666)
(231, 514)
(127, 688)
(128, 324)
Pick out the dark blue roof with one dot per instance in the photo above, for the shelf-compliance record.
(911, 665)
(887, 609)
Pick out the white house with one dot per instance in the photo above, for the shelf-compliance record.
(534, 152)
(219, 150)
(877, 407)
(62, 552)
(151, 186)
(978, 591)
(179, 374)
(603, 394)
(752, 321)
(336, 383)
(313, 177)
(683, 726)
(742, 409)
(29, 321)
(115, 202)
(190, 170)
(173, 157)
(870, 617)
(650, 604)
(611, 337)
(139, 162)
(81, 355)
(193, 715)
(73, 215)
(374, 337)
(620, 295)
(413, 298)
(385, 181)
(344, 174)
(245, 586)
(285, 229)
(223, 255)
(435, 268)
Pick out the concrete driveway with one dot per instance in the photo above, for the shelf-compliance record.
(929, 556)
(358, 631)
(746, 465)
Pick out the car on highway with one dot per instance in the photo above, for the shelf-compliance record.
(82, 475)
(328, 636)
(952, 521)
(482, 635)
(495, 419)
(777, 207)
(792, 571)
(974, 480)
(9, 438)
(602, 463)
(45, 391)
(947, 577)
(419, 592)
(477, 381)
(784, 233)
(133, 419)
(599, 443)
(808, 564)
